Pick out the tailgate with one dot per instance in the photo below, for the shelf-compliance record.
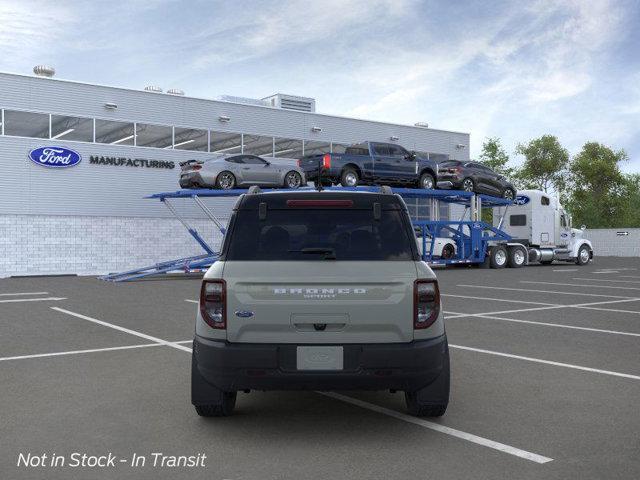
(339, 302)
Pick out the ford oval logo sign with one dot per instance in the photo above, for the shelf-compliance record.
(56, 157)
(521, 200)
(244, 313)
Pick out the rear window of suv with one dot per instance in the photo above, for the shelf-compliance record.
(319, 234)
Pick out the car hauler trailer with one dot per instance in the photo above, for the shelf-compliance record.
(466, 241)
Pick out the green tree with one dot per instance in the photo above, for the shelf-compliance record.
(631, 202)
(495, 157)
(545, 165)
(599, 193)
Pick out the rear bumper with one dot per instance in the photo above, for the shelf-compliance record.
(401, 366)
(449, 183)
(190, 180)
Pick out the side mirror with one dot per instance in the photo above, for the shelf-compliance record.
(410, 156)
(583, 227)
(267, 164)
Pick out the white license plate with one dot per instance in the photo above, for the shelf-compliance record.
(320, 358)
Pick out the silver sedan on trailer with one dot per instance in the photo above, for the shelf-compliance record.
(240, 170)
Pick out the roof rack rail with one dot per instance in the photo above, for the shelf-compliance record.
(253, 189)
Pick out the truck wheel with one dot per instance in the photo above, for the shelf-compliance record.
(349, 178)
(517, 257)
(583, 255)
(498, 257)
(432, 400)
(508, 194)
(427, 182)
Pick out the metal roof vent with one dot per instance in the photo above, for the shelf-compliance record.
(44, 71)
(422, 124)
(153, 88)
(175, 91)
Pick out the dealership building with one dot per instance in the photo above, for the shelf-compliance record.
(91, 217)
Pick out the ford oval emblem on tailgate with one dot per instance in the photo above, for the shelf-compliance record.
(56, 157)
(244, 313)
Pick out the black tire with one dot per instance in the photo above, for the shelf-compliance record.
(517, 257)
(225, 180)
(498, 257)
(432, 400)
(427, 181)
(468, 185)
(447, 252)
(349, 177)
(208, 400)
(546, 262)
(292, 180)
(509, 194)
(584, 255)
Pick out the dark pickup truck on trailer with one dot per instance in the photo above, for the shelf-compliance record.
(371, 163)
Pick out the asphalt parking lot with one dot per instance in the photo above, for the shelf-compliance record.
(545, 384)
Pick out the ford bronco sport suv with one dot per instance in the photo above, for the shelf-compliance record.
(320, 291)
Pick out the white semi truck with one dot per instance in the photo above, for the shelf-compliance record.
(537, 222)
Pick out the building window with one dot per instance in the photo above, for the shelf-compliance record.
(287, 148)
(190, 139)
(157, 136)
(338, 147)
(26, 124)
(517, 220)
(72, 128)
(312, 147)
(224, 142)
(114, 133)
(258, 145)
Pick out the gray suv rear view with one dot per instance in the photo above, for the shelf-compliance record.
(320, 291)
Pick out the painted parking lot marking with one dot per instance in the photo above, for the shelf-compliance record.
(565, 270)
(605, 280)
(191, 301)
(90, 350)
(23, 293)
(544, 324)
(546, 362)
(617, 287)
(123, 329)
(44, 299)
(492, 299)
(547, 291)
(469, 437)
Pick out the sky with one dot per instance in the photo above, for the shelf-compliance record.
(514, 70)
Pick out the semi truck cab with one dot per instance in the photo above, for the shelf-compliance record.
(538, 221)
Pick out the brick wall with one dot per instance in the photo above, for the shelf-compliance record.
(39, 244)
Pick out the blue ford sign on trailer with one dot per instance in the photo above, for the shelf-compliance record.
(55, 157)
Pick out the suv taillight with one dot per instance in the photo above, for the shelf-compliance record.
(426, 303)
(213, 299)
(299, 162)
(326, 161)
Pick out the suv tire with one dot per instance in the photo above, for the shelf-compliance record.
(224, 408)
(208, 400)
(432, 400)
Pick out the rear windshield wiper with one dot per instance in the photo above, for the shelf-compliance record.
(329, 253)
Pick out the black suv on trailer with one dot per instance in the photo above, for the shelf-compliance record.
(474, 177)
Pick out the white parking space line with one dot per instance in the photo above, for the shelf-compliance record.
(90, 350)
(23, 293)
(617, 287)
(546, 362)
(76, 352)
(494, 299)
(20, 300)
(628, 276)
(469, 437)
(605, 280)
(544, 324)
(123, 329)
(566, 270)
(191, 301)
(547, 291)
